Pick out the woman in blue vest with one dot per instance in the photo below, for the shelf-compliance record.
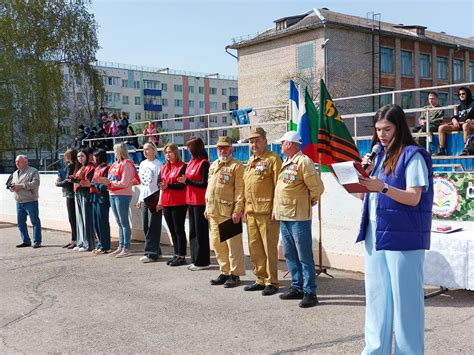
(396, 227)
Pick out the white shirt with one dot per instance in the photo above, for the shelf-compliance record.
(149, 171)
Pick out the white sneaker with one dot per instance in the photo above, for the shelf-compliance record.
(193, 267)
(145, 259)
(123, 254)
(82, 249)
(76, 248)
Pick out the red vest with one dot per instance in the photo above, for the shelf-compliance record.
(195, 196)
(82, 173)
(116, 172)
(98, 172)
(170, 174)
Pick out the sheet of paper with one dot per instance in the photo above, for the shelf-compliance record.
(346, 172)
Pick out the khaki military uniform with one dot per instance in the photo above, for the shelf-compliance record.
(298, 188)
(224, 196)
(260, 177)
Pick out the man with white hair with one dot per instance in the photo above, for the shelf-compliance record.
(25, 184)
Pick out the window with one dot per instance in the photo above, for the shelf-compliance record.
(152, 100)
(112, 80)
(138, 116)
(164, 102)
(178, 88)
(458, 70)
(201, 104)
(213, 119)
(442, 68)
(406, 63)
(224, 132)
(213, 105)
(124, 83)
(424, 98)
(125, 100)
(164, 87)
(201, 89)
(224, 119)
(191, 103)
(442, 98)
(213, 134)
(471, 71)
(165, 116)
(136, 84)
(386, 60)
(406, 100)
(224, 92)
(385, 99)
(178, 103)
(224, 105)
(201, 119)
(425, 66)
(116, 97)
(137, 100)
(233, 91)
(191, 119)
(191, 89)
(305, 56)
(213, 91)
(151, 84)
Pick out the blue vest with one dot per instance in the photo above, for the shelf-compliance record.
(398, 226)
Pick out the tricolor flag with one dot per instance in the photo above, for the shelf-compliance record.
(294, 106)
(334, 142)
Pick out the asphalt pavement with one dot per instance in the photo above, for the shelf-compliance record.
(54, 300)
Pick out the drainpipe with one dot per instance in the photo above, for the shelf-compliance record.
(325, 42)
(227, 51)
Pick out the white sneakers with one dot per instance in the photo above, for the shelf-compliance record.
(193, 267)
(145, 259)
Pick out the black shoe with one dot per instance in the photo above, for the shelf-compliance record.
(67, 245)
(36, 246)
(23, 245)
(292, 294)
(269, 290)
(309, 300)
(221, 279)
(254, 287)
(464, 152)
(232, 281)
(171, 260)
(180, 260)
(441, 151)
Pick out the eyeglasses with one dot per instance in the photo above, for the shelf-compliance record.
(462, 94)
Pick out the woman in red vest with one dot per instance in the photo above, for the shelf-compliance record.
(173, 200)
(82, 181)
(196, 176)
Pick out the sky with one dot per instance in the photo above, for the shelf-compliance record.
(192, 35)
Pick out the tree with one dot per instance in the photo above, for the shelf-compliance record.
(40, 41)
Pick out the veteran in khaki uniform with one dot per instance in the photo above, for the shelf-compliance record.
(299, 187)
(224, 200)
(260, 178)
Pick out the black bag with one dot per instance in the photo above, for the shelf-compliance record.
(9, 181)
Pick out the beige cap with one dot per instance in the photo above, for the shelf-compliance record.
(256, 132)
(224, 141)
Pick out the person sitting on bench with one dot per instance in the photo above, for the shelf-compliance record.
(463, 120)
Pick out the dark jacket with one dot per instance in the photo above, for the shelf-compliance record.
(68, 187)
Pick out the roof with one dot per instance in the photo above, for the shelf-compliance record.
(311, 21)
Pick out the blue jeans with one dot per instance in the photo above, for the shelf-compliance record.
(297, 242)
(100, 216)
(120, 207)
(22, 211)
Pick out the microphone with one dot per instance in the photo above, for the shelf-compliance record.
(375, 150)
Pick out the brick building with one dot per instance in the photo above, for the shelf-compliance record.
(355, 55)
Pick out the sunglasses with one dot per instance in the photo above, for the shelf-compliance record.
(462, 94)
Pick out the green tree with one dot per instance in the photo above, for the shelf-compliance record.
(40, 41)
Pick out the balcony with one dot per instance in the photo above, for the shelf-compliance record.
(233, 98)
(152, 107)
(152, 92)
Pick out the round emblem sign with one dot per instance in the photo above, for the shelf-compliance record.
(446, 197)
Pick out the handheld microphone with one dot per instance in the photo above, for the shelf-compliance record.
(375, 150)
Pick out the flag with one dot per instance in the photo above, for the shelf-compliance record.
(294, 106)
(308, 127)
(334, 142)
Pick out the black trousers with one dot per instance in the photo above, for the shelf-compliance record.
(175, 217)
(71, 215)
(152, 229)
(199, 236)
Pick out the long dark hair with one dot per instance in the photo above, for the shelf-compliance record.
(88, 152)
(468, 99)
(402, 137)
(196, 148)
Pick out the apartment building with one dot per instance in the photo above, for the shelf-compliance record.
(355, 56)
(159, 94)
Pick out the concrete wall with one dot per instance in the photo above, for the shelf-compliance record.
(340, 219)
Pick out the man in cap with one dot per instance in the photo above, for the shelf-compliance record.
(299, 187)
(225, 200)
(260, 178)
(25, 185)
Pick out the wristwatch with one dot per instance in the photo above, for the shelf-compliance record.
(385, 188)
